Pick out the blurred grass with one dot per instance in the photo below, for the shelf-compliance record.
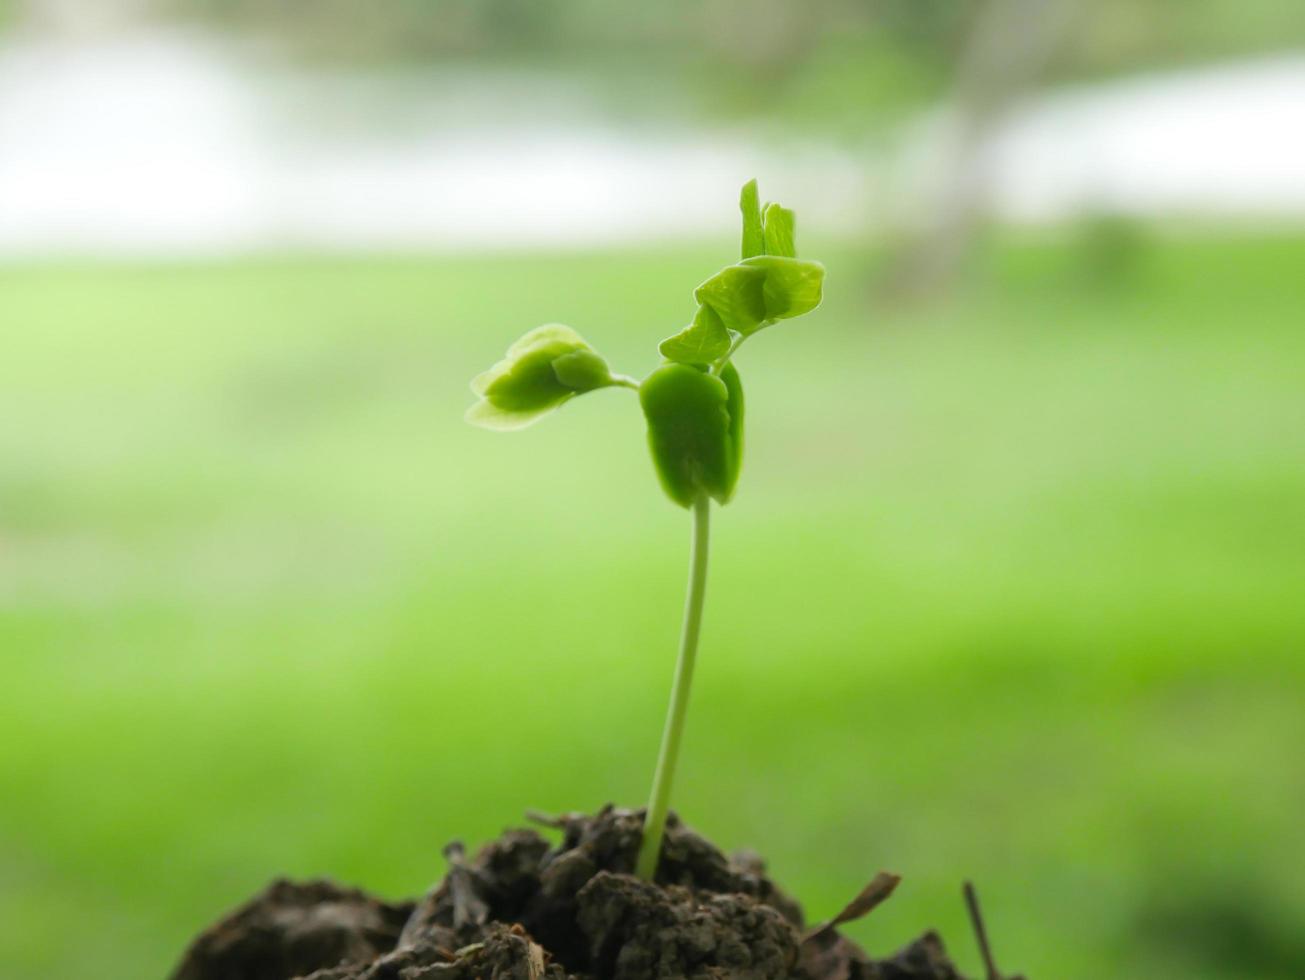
(1011, 591)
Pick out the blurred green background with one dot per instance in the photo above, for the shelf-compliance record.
(1011, 591)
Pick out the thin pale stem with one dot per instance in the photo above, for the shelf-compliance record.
(735, 344)
(654, 825)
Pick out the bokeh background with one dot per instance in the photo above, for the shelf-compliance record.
(1013, 586)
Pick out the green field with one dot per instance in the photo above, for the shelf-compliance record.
(1013, 589)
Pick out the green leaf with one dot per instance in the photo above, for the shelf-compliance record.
(701, 342)
(734, 405)
(779, 232)
(754, 242)
(549, 333)
(735, 294)
(545, 368)
(526, 382)
(791, 286)
(694, 439)
(582, 370)
(487, 415)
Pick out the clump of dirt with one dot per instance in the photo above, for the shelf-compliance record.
(526, 909)
(292, 929)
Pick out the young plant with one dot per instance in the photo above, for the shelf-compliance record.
(693, 404)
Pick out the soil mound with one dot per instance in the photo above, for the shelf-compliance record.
(527, 909)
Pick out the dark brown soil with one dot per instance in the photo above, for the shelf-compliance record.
(527, 909)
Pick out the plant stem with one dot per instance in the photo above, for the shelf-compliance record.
(654, 825)
(735, 344)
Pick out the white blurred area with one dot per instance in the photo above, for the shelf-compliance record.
(169, 141)
(1222, 142)
(118, 139)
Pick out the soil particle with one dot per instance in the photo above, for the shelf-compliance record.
(524, 909)
(503, 953)
(924, 959)
(833, 957)
(639, 931)
(292, 929)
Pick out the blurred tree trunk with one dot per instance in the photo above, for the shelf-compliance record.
(1006, 53)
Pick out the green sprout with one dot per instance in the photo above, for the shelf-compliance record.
(693, 404)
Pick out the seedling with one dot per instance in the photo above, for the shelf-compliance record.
(693, 404)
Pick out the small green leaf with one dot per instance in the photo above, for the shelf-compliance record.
(582, 370)
(549, 333)
(545, 368)
(779, 232)
(791, 287)
(526, 382)
(701, 342)
(487, 415)
(754, 242)
(734, 405)
(735, 294)
(691, 432)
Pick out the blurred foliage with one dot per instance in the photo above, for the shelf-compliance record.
(268, 605)
(1113, 248)
(827, 63)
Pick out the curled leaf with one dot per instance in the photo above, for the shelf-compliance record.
(754, 241)
(779, 231)
(791, 286)
(545, 368)
(701, 342)
(487, 415)
(735, 294)
(582, 370)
